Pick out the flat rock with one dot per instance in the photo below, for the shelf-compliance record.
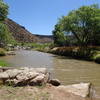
(4, 75)
(12, 73)
(82, 89)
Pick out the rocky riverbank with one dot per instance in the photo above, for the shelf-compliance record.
(36, 83)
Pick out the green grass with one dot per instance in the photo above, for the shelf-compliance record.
(3, 63)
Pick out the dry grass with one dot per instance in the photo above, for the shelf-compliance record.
(35, 93)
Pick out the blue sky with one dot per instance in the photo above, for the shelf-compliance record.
(40, 16)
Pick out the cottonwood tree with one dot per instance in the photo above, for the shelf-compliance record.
(58, 35)
(3, 10)
(84, 24)
(4, 32)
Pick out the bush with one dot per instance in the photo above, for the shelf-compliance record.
(74, 51)
(85, 53)
(2, 52)
(97, 58)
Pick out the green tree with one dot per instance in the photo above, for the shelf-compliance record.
(58, 35)
(5, 36)
(3, 10)
(84, 24)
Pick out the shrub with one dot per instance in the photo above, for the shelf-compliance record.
(97, 58)
(2, 52)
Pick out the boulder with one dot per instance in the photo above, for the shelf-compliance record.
(10, 53)
(54, 49)
(12, 73)
(82, 89)
(4, 75)
(1, 69)
(55, 82)
(40, 79)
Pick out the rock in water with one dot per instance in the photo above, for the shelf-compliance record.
(10, 53)
(82, 89)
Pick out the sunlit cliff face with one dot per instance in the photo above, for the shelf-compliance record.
(21, 34)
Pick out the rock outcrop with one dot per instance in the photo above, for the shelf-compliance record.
(21, 34)
(25, 76)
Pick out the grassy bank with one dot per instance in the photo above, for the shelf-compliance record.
(84, 53)
(3, 63)
(3, 53)
(40, 47)
(91, 54)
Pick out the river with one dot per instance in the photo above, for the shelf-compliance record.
(67, 70)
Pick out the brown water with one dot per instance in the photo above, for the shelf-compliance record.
(67, 70)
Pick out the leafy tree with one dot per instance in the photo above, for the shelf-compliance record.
(58, 35)
(3, 10)
(5, 36)
(84, 24)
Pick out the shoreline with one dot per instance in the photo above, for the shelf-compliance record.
(60, 52)
(42, 87)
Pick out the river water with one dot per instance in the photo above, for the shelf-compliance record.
(67, 70)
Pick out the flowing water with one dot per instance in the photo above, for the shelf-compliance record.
(67, 70)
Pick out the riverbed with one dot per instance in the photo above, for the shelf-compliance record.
(68, 70)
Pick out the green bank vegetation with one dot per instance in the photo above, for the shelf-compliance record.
(38, 46)
(4, 63)
(3, 53)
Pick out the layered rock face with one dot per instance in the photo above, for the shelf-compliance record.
(23, 35)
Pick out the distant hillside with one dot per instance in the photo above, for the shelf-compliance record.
(23, 35)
